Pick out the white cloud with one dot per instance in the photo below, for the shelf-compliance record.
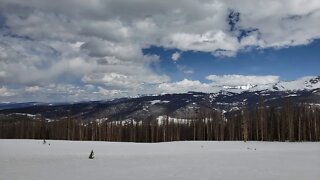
(110, 93)
(2, 74)
(236, 80)
(184, 86)
(185, 69)
(4, 91)
(32, 89)
(209, 41)
(109, 79)
(185, 25)
(176, 56)
(44, 42)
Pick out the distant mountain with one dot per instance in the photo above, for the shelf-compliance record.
(19, 105)
(305, 83)
(184, 105)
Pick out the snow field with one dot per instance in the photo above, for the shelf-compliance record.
(67, 160)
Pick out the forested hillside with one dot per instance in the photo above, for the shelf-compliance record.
(285, 123)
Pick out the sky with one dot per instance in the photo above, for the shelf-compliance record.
(79, 50)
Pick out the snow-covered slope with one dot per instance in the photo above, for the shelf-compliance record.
(305, 83)
(241, 87)
(68, 160)
(300, 84)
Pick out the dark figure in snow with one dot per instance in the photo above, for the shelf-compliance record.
(44, 141)
(91, 155)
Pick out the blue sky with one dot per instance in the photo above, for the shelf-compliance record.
(94, 50)
(289, 63)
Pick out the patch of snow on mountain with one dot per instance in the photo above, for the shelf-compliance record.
(243, 87)
(292, 95)
(158, 102)
(145, 108)
(25, 114)
(101, 120)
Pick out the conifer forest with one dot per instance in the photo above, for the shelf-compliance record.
(286, 123)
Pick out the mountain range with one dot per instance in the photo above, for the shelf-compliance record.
(227, 99)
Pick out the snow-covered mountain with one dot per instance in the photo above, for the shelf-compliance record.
(183, 105)
(305, 83)
(240, 87)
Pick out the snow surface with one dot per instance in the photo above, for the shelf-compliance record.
(25, 114)
(161, 120)
(67, 160)
(296, 85)
(299, 84)
(158, 101)
(243, 87)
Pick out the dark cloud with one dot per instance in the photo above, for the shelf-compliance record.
(233, 19)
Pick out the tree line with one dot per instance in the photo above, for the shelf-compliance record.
(286, 123)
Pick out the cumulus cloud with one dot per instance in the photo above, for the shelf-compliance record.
(32, 89)
(236, 80)
(185, 69)
(100, 43)
(176, 56)
(2, 74)
(58, 93)
(187, 25)
(110, 93)
(185, 86)
(4, 91)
